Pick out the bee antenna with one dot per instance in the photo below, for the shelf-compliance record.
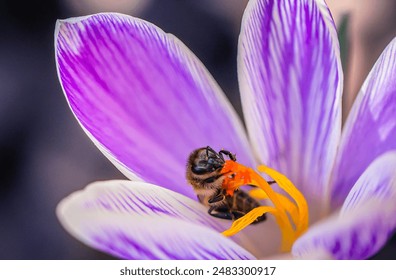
(227, 153)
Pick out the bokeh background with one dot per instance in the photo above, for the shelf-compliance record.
(44, 155)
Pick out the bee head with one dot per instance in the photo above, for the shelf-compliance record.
(205, 160)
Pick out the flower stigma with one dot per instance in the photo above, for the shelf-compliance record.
(291, 216)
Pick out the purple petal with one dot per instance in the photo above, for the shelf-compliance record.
(144, 99)
(367, 218)
(134, 220)
(142, 199)
(370, 129)
(357, 234)
(291, 82)
(378, 182)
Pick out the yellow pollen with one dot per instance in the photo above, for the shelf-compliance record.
(291, 216)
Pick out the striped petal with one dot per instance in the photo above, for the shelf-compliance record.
(378, 182)
(291, 80)
(367, 218)
(357, 234)
(144, 99)
(135, 220)
(370, 129)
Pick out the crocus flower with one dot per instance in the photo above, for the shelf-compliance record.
(146, 102)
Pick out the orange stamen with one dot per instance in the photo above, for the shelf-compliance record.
(238, 175)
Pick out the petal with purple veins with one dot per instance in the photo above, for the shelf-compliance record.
(134, 220)
(144, 99)
(378, 182)
(370, 129)
(291, 81)
(366, 220)
(153, 238)
(140, 199)
(357, 234)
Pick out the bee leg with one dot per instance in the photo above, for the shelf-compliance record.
(237, 214)
(219, 196)
(262, 218)
(269, 183)
(220, 212)
(240, 214)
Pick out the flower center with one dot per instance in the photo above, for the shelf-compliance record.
(291, 216)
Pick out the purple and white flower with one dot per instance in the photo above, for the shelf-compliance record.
(146, 102)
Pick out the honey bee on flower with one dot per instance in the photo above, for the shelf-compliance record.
(146, 101)
(204, 173)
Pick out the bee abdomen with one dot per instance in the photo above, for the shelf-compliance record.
(243, 203)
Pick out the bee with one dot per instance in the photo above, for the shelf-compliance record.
(204, 167)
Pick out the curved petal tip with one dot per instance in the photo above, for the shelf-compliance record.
(143, 98)
(133, 220)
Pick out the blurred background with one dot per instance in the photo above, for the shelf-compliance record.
(44, 154)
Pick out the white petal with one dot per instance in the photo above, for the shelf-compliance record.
(135, 220)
